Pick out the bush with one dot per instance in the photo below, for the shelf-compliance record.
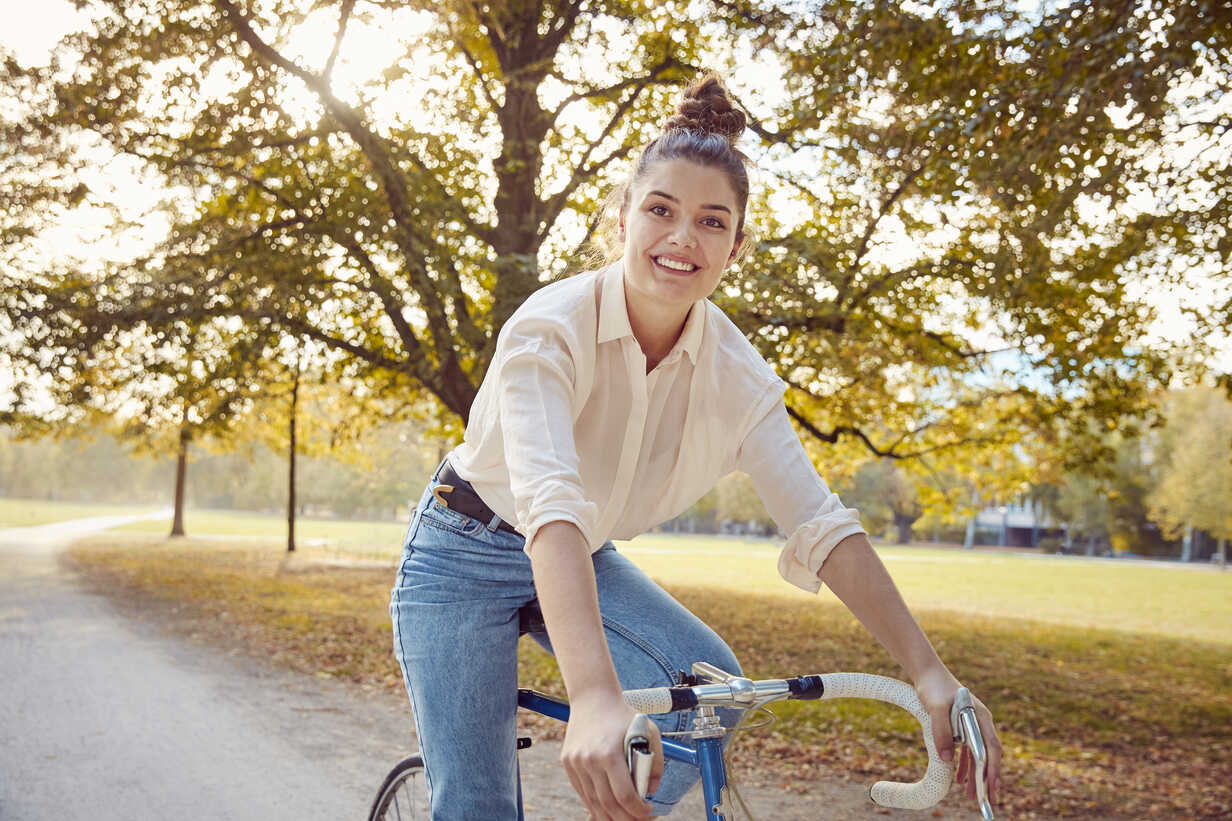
(1049, 545)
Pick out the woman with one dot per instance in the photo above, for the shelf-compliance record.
(615, 400)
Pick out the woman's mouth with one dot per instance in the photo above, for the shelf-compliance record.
(675, 266)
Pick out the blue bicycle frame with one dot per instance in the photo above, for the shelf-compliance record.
(707, 757)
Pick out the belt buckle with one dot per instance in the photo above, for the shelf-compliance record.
(438, 490)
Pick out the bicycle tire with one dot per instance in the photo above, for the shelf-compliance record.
(404, 793)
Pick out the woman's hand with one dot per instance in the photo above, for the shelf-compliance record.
(594, 758)
(594, 751)
(936, 688)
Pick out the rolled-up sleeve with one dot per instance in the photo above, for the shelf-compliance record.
(796, 498)
(536, 400)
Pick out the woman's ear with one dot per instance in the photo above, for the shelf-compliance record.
(735, 251)
(620, 224)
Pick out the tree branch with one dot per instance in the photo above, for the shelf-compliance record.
(862, 248)
(344, 16)
(887, 453)
(384, 291)
(581, 171)
(358, 351)
(391, 180)
(607, 91)
(473, 62)
(561, 30)
(841, 430)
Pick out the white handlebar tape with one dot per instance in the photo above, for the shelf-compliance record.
(937, 778)
(652, 701)
(917, 796)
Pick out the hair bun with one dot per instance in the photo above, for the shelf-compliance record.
(707, 108)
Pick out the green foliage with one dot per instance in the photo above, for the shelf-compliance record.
(886, 497)
(80, 469)
(1195, 465)
(738, 501)
(371, 471)
(1049, 545)
(397, 220)
(1110, 500)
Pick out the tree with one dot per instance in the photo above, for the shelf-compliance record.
(886, 497)
(1109, 500)
(78, 468)
(737, 501)
(301, 412)
(1009, 142)
(389, 242)
(1195, 487)
(1015, 148)
(161, 391)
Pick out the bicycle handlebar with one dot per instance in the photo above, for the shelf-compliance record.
(742, 692)
(935, 783)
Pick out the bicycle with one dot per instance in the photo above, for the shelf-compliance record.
(403, 793)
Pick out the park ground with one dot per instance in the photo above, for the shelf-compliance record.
(1111, 681)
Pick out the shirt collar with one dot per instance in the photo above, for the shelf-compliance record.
(690, 340)
(614, 316)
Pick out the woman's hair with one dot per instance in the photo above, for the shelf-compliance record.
(704, 130)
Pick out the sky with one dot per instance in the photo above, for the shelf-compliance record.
(31, 29)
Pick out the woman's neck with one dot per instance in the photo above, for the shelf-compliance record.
(656, 326)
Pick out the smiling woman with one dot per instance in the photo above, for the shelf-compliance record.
(615, 399)
(679, 235)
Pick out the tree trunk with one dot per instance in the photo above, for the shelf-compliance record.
(181, 472)
(903, 523)
(291, 464)
(969, 536)
(1187, 545)
(1223, 554)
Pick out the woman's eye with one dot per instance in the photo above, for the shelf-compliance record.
(658, 210)
(714, 222)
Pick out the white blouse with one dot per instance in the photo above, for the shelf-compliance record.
(568, 426)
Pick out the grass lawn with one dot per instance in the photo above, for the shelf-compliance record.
(365, 538)
(1106, 706)
(1138, 597)
(1161, 599)
(30, 512)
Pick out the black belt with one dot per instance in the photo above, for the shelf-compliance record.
(456, 493)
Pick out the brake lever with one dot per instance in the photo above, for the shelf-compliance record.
(638, 755)
(967, 732)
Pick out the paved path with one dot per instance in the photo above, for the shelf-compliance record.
(103, 716)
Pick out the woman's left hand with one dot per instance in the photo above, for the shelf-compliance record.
(936, 689)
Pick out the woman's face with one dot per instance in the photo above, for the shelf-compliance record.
(679, 232)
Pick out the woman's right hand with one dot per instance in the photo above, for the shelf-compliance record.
(594, 758)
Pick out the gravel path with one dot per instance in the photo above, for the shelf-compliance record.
(107, 714)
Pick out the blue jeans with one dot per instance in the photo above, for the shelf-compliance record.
(455, 617)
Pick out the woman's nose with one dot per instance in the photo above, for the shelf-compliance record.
(682, 234)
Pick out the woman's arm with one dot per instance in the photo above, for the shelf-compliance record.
(593, 753)
(822, 547)
(856, 575)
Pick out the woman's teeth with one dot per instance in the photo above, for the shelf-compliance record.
(674, 265)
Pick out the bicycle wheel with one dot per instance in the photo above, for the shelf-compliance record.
(404, 794)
